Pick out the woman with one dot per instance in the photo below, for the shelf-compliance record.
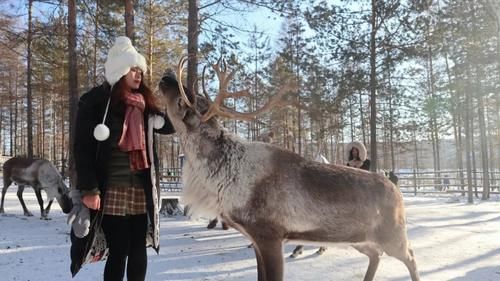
(115, 165)
(357, 156)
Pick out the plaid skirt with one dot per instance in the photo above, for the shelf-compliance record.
(122, 201)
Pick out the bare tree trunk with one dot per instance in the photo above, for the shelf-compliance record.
(457, 129)
(28, 85)
(391, 123)
(96, 35)
(385, 150)
(150, 43)
(483, 139)
(299, 109)
(494, 135)
(331, 156)
(23, 140)
(497, 101)
(343, 152)
(484, 150)
(362, 118)
(53, 125)
(351, 122)
(468, 148)
(193, 32)
(433, 119)
(415, 146)
(474, 167)
(62, 145)
(12, 102)
(72, 85)
(15, 153)
(43, 126)
(286, 131)
(129, 20)
(373, 88)
(294, 135)
(2, 144)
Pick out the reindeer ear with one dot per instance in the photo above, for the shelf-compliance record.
(191, 119)
(202, 104)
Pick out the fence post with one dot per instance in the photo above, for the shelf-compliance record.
(414, 182)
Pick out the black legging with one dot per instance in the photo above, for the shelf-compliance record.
(126, 237)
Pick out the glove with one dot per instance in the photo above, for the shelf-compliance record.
(79, 217)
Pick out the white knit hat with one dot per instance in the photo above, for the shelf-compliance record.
(121, 57)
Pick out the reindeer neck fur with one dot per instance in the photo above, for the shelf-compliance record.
(213, 169)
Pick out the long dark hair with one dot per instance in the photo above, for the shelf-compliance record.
(118, 95)
(351, 157)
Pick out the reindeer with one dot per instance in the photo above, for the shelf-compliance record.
(41, 175)
(272, 195)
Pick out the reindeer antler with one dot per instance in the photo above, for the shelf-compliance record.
(217, 107)
(180, 67)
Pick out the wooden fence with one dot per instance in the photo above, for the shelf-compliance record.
(446, 182)
(421, 182)
(171, 182)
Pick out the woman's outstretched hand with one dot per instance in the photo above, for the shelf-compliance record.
(92, 201)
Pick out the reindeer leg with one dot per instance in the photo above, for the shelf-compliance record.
(224, 225)
(6, 184)
(374, 256)
(38, 193)
(20, 190)
(47, 209)
(411, 264)
(405, 254)
(261, 270)
(271, 250)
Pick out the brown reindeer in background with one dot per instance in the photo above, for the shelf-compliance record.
(272, 195)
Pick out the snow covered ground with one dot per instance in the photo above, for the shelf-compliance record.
(452, 241)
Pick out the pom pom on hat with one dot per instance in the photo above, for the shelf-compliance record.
(121, 57)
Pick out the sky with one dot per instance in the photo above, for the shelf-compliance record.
(262, 18)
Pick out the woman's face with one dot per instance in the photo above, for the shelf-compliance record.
(133, 78)
(355, 152)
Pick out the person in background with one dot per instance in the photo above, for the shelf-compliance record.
(356, 157)
(115, 163)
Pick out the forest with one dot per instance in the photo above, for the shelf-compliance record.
(417, 81)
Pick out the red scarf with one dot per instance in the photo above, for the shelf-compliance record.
(133, 138)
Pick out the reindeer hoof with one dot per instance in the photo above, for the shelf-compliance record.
(225, 226)
(320, 251)
(2, 211)
(295, 254)
(28, 214)
(212, 224)
(250, 246)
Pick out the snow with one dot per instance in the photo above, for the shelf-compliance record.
(452, 241)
